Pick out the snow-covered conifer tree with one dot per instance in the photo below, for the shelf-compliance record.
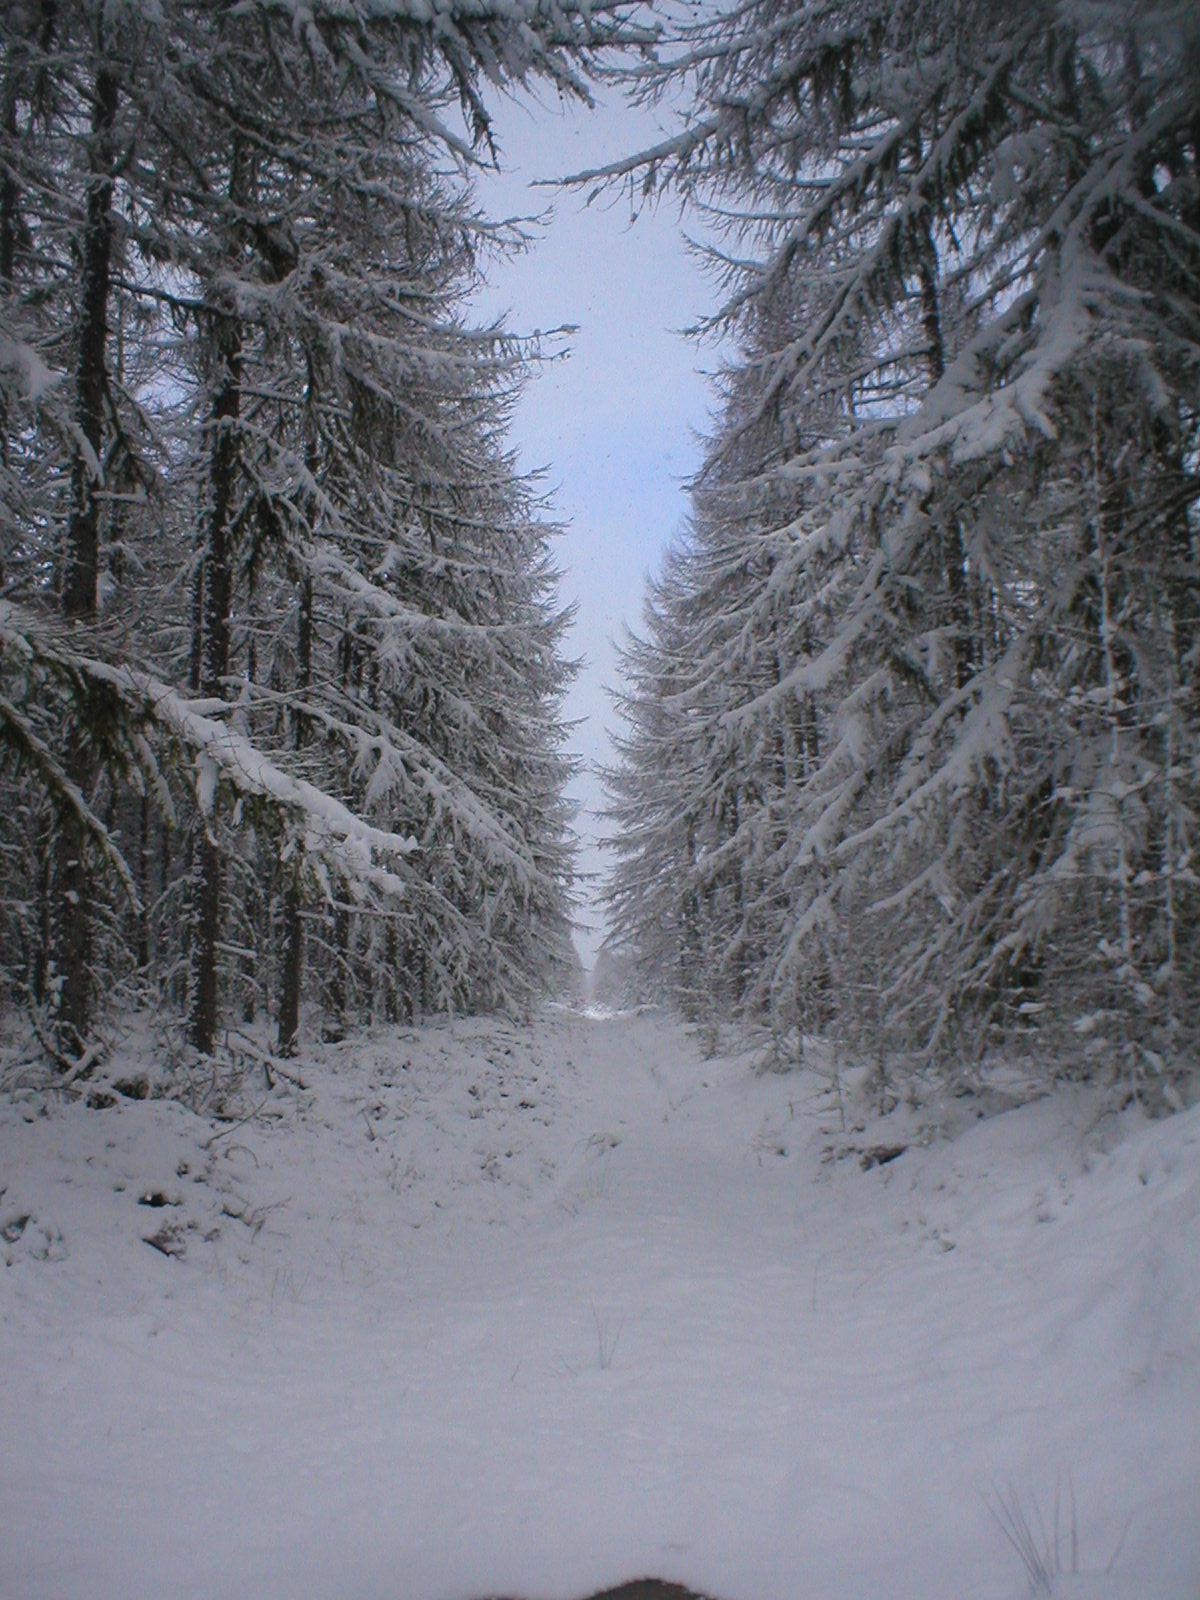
(273, 493)
(958, 254)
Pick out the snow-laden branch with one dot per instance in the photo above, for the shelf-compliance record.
(318, 824)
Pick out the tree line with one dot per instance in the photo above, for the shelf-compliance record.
(280, 650)
(911, 748)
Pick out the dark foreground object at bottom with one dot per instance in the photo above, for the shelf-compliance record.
(646, 1589)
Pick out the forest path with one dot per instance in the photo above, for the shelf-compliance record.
(492, 1309)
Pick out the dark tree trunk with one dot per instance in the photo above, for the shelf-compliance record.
(205, 935)
(143, 915)
(9, 197)
(252, 945)
(954, 565)
(194, 660)
(9, 218)
(45, 920)
(70, 989)
(293, 922)
(214, 663)
(83, 534)
(70, 935)
(391, 971)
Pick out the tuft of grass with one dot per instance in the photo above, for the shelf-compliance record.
(1047, 1552)
(607, 1337)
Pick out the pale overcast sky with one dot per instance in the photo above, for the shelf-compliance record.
(614, 425)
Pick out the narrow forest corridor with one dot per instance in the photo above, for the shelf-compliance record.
(599, 799)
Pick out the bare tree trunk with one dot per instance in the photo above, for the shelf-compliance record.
(391, 967)
(195, 663)
(71, 923)
(83, 535)
(214, 665)
(45, 902)
(8, 193)
(954, 565)
(143, 859)
(293, 923)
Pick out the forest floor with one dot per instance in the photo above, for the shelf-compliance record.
(486, 1309)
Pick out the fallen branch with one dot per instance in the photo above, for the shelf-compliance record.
(270, 1063)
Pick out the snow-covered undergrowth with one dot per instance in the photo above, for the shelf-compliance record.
(497, 1310)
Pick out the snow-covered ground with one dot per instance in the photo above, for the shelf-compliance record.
(497, 1310)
